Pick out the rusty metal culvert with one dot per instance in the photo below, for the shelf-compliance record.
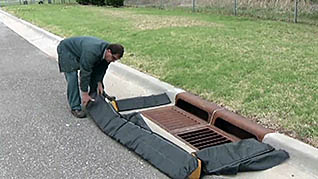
(202, 124)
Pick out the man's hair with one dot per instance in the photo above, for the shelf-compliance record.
(116, 49)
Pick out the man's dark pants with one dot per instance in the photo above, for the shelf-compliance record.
(73, 92)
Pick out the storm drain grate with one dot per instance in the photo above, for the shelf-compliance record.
(172, 118)
(187, 127)
(204, 138)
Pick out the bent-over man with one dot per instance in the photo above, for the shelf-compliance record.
(91, 56)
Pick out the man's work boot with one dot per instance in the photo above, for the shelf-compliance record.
(78, 113)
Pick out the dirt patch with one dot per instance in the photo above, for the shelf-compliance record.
(157, 22)
(153, 22)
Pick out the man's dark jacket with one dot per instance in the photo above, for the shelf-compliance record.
(84, 54)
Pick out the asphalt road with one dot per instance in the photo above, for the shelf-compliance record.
(39, 138)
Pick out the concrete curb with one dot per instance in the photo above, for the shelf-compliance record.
(147, 81)
(305, 155)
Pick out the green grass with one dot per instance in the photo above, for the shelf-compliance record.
(264, 70)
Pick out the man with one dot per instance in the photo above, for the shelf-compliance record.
(91, 56)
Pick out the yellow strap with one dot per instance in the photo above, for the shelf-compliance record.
(115, 105)
(197, 172)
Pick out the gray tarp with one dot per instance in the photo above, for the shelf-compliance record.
(162, 154)
(245, 155)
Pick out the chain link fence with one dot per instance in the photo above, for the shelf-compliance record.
(304, 11)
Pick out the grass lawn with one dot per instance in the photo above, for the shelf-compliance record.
(264, 70)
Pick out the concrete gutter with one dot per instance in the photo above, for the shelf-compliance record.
(303, 162)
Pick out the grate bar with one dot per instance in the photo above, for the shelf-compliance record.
(214, 144)
(202, 142)
(209, 143)
(198, 142)
(200, 138)
(198, 132)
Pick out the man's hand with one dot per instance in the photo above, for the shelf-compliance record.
(100, 89)
(86, 98)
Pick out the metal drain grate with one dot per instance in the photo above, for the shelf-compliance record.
(172, 118)
(203, 138)
(189, 128)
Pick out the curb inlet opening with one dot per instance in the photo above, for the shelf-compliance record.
(232, 129)
(193, 109)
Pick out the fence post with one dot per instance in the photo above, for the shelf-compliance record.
(193, 5)
(296, 11)
(235, 7)
(161, 4)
